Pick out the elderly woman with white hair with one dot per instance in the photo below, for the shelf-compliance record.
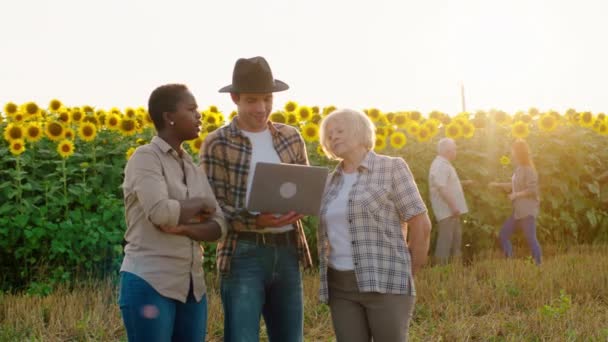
(366, 266)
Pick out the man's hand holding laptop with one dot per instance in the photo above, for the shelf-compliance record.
(269, 220)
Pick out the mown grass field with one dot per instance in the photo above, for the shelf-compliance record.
(566, 299)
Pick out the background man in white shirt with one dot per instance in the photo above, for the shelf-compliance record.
(447, 200)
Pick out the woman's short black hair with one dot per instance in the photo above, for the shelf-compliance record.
(164, 99)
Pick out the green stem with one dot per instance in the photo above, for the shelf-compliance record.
(18, 185)
(65, 186)
(94, 158)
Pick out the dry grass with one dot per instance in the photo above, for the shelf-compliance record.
(492, 300)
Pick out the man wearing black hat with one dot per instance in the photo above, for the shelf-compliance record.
(259, 258)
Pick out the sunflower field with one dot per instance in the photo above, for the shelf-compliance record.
(61, 210)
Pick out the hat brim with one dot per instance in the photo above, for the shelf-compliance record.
(278, 86)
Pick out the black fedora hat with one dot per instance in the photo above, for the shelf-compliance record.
(253, 75)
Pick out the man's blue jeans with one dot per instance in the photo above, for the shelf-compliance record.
(149, 316)
(528, 225)
(263, 280)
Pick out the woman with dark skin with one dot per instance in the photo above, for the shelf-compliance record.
(169, 207)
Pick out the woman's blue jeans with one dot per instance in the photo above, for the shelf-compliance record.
(528, 225)
(149, 316)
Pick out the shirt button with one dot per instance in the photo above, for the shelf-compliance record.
(356, 263)
(350, 221)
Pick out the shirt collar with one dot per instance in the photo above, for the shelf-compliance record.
(234, 129)
(166, 148)
(366, 164)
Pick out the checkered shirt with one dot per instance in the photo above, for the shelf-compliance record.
(225, 157)
(382, 200)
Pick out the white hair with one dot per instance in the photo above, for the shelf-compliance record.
(356, 123)
(444, 144)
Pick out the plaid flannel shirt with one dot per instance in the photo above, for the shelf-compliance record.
(383, 198)
(225, 156)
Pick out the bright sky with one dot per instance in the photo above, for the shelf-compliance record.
(394, 55)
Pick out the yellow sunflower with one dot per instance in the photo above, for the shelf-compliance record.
(55, 105)
(210, 118)
(210, 128)
(213, 109)
(310, 132)
(195, 144)
(520, 130)
(13, 132)
(220, 117)
(374, 114)
(501, 117)
(547, 122)
(17, 147)
(304, 113)
(10, 109)
(412, 128)
(602, 128)
(453, 131)
(130, 113)
(468, 130)
(127, 126)
(100, 114)
(423, 135)
(31, 109)
(33, 131)
(116, 111)
(398, 140)
(400, 119)
(112, 121)
(437, 115)
(380, 143)
(278, 117)
(533, 112)
(64, 116)
(291, 119)
(504, 160)
(586, 119)
(382, 131)
(18, 117)
(316, 118)
(69, 133)
(86, 109)
(87, 131)
(91, 118)
(54, 130)
(129, 152)
(327, 110)
(148, 120)
(233, 114)
(291, 106)
(432, 125)
(415, 116)
(77, 115)
(65, 148)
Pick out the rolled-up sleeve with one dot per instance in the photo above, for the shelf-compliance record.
(144, 179)
(407, 198)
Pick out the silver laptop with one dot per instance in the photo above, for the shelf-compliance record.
(280, 188)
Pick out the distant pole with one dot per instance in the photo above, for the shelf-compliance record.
(462, 102)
